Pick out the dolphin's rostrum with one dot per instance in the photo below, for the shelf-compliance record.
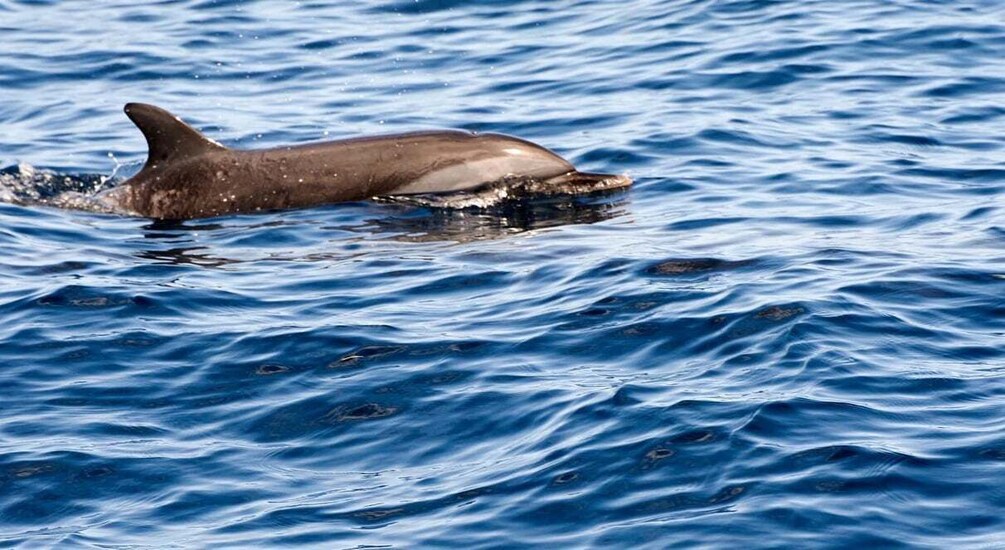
(188, 175)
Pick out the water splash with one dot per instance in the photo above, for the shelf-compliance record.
(25, 185)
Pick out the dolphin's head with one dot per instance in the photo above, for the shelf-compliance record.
(536, 170)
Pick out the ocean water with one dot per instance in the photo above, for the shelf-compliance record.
(789, 333)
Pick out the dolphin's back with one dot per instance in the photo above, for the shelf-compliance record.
(420, 162)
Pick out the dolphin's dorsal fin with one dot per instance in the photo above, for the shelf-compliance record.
(168, 138)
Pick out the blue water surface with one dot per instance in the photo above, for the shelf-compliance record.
(789, 333)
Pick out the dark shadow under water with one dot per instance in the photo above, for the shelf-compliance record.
(175, 242)
(422, 224)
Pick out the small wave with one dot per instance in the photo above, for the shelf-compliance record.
(24, 184)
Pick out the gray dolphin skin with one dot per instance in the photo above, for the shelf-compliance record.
(188, 175)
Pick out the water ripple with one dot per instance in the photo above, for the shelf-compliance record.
(788, 333)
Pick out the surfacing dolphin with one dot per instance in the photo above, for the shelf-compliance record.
(188, 175)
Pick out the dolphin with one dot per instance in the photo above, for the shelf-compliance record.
(188, 175)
